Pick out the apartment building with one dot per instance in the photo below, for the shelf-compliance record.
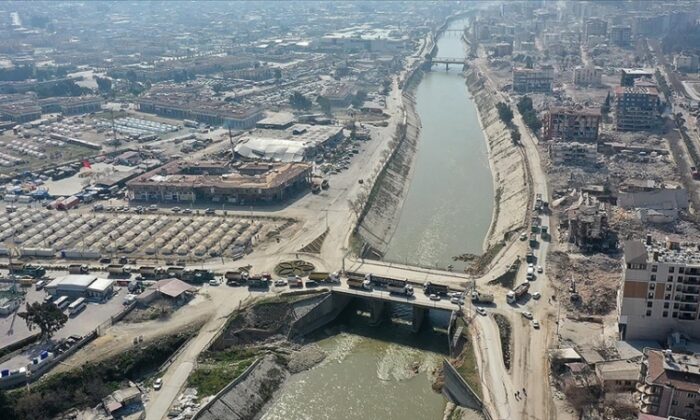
(568, 123)
(669, 386)
(588, 76)
(636, 107)
(621, 35)
(533, 80)
(660, 290)
(629, 76)
(565, 153)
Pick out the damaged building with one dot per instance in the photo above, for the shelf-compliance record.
(653, 202)
(588, 227)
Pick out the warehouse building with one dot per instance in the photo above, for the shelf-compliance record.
(81, 285)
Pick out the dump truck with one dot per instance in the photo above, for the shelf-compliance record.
(478, 297)
(318, 276)
(196, 276)
(257, 281)
(78, 269)
(399, 287)
(355, 283)
(435, 289)
(118, 270)
(515, 294)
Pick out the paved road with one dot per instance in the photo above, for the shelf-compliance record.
(418, 299)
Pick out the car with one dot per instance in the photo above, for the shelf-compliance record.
(280, 283)
(213, 282)
(481, 311)
(175, 209)
(187, 211)
(455, 300)
(152, 207)
(434, 297)
(536, 324)
(523, 236)
(536, 295)
(527, 315)
(158, 384)
(531, 265)
(540, 269)
(209, 211)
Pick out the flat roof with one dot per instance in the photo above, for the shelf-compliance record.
(100, 285)
(73, 280)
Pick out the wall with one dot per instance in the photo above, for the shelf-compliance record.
(321, 314)
(457, 390)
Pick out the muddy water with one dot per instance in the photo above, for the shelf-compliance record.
(449, 205)
(383, 372)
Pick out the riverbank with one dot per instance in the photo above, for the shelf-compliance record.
(507, 166)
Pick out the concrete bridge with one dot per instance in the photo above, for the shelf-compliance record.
(446, 61)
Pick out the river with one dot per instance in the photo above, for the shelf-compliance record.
(449, 205)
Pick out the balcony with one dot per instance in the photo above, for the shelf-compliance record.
(689, 298)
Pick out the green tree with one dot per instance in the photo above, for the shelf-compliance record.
(104, 85)
(524, 104)
(325, 104)
(46, 316)
(515, 135)
(504, 112)
(299, 101)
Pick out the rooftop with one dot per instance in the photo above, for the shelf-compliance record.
(680, 371)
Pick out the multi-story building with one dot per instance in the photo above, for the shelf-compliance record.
(219, 182)
(563, 153)
(685, 62)
(533, 80)
(621, 35)
(629, 76)
(636, 107)
(588, 75)
(595, 26)
(572, 124)
(660, 290)
(669, 385)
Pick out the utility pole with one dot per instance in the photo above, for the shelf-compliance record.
(230, 141)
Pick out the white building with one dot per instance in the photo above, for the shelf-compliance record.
(660, 290)
(588, 76)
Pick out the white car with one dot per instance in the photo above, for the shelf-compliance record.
(434, 297)
(536, 324)
(213, 282)
(540, 269)
(158, 384)
(280, 283)
(527, 315)
(481, 311)
(536, 295)
(455, 300)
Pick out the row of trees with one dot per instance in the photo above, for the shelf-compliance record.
(505, 113)
(529, 114)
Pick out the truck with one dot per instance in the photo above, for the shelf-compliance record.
(77, 269)
(358, 283)
(533, 240)
(515, 294)
(258, 281)
(197, 275)
(21, 269)
(236, 277)
(152, 273)
(118, 270)
(435, 289)
(544, 231)
(399, 287)
(68, 203)
(530, 256)
(538, 202)
(295, 282)
(478, 297)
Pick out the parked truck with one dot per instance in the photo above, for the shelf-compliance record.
(236, 277)
(399, 287)
(478, 297)
(78, 254)
(21, 269)
(515, 294)
(196, 276)
(77, 269)
(118, 270)
(359, 283)
(435, 289)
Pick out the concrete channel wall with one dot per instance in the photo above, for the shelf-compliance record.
(226, 389)
(325, 311)
(457, 390)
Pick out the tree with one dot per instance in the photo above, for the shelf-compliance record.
(515, 135)
(299, 101)
(104, 85)
(46, 316)
(524, 104)
(359, 99)
(504, 112)
(325, 104)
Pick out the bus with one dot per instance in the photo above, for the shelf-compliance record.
(76, 307)
(61, 302)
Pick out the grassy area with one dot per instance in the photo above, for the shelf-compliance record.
(466, 363)
(218, 369)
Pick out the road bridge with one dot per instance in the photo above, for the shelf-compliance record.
(446, 61)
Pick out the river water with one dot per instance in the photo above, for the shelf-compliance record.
(386, 372)
(382, 372)
(450, 201)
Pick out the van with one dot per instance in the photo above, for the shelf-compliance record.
(530, 273)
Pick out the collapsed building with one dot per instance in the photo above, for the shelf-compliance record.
(588, 227)
(654, 202)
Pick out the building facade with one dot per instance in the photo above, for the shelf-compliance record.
(533, 80)
(660, 290)
(669, 385)
(621, 35)
(636, 108)
(565, 153)
(572, 124)
(588, 76)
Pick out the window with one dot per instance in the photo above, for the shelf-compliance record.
(692, 395)
(676, 306)
(653, 277)
(671, 269)
(654, 268)
(650, 304)
(650, 295)
(681, 270)
(665, 305)
(674, 402)
(669, 278)
(652, 286)
(667, 296)
(669, 287)
(665, 314)
(648, 313)
(675, 315)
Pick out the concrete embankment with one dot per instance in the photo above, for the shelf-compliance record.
(391, 186)
(507, 165)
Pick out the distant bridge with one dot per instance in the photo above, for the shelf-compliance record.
(447, 61)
